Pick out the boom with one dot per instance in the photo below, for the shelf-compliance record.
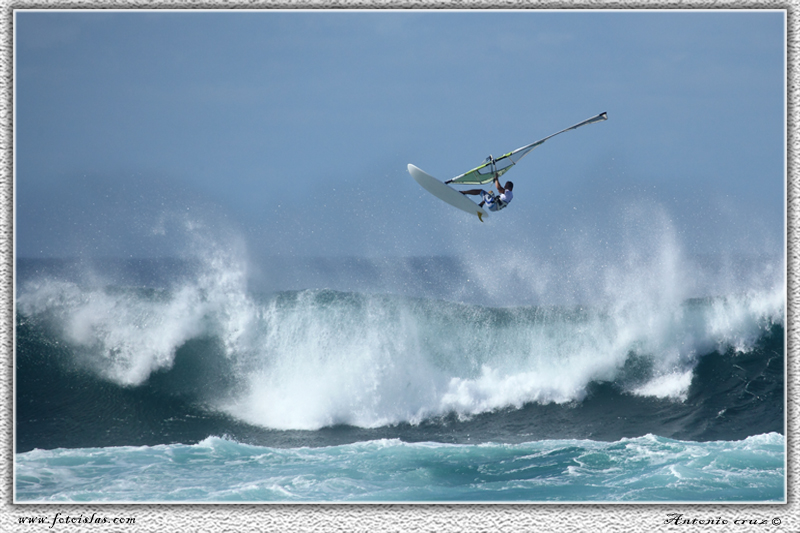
(485, 172)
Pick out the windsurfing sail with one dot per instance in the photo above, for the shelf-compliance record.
(486, 171)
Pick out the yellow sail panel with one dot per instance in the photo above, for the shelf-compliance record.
(485, 172)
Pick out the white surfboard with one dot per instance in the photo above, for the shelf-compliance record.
(446, 193)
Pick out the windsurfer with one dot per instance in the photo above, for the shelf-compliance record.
(494, 203)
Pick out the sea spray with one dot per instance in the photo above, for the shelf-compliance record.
(329, 358)
(338, 365)
(126, 333)
(317, 358)
(311, 359)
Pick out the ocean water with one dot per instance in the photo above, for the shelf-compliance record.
(217, 469)
(174, 380)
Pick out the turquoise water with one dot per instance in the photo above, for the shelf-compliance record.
(643, 469)
(200, 389)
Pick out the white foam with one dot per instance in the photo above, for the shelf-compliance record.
(125, 335)
(323, 365)
(674, 386)
(325, 358)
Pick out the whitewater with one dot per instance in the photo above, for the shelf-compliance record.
(652, 378)
(647, 468)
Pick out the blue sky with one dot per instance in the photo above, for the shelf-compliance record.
(294, 129)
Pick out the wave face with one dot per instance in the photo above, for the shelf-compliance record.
(644, 469)
(178, 351)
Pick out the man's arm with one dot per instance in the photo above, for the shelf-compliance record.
(500, 189)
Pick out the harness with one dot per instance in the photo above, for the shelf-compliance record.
(500, 203)
(494, 200)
